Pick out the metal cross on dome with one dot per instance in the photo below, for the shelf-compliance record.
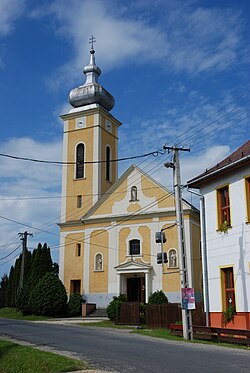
(92, 41)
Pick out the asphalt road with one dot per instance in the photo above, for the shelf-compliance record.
(121, 351)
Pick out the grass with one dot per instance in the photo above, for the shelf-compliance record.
(19, 359)
(158, 333)
(105, 324)
(12, 313)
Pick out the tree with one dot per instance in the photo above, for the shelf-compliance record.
(3, 291)
(75, 305)
(49, 297)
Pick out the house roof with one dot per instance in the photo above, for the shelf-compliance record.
(235, 160)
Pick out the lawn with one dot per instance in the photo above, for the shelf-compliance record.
(19, 359)
(12, 313)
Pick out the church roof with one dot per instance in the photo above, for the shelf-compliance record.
(91, 92)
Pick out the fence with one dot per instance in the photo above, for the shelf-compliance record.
(157, 316)
(236, 336)
(130, 313)
(162, 315)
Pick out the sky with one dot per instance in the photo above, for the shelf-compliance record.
(179, 73)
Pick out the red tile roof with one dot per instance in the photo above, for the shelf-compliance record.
(241, 154)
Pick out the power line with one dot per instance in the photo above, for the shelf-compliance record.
(154, 153)
(6, 256)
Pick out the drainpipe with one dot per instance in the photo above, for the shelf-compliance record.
(204, 253)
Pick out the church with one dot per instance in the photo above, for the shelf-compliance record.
(108, 224)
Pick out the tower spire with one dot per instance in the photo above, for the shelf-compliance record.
(91, 92)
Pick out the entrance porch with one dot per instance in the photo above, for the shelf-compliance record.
(134, 280)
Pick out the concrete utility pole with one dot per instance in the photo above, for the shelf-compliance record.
(24, 240)
(184, 280)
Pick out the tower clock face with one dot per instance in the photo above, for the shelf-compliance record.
(81, 122)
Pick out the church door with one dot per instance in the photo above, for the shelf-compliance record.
(136, 289)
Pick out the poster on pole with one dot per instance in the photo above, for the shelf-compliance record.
(187, 299)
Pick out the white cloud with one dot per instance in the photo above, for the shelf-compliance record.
(10, 10)
(184, 37)
(20, 179)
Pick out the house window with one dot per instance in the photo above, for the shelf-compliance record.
(248, 197)
(99, 262)
(79, 201)
(223, 206)
(133, 196)
(75, 286)
(134, 247)
(78, 249)
(228, 287)
(108, 163)
(172, 258)
(80, 161)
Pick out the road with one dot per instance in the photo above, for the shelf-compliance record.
(121, 351)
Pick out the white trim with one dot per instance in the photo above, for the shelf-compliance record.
(61, 256)
(96, 157)
(113, 258)
(86, 261)
(64, 173)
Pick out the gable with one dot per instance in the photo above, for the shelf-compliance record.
(118, 201)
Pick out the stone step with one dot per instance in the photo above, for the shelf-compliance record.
(99, 312)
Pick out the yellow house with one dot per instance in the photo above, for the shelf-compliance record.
(108, 224)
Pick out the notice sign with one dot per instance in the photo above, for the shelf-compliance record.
(187, 299)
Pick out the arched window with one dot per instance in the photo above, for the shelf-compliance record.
(80, 161)
(99, 262)
(108, 163)
(133, 196)
(172, 258)
(134, 247)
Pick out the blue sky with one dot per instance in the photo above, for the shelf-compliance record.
(179, 72)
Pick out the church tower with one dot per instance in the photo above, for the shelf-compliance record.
(90, 144)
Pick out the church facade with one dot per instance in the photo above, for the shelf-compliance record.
(108, 224)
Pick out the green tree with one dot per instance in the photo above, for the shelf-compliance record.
(49, 297)
(75, 305)
(3, 291)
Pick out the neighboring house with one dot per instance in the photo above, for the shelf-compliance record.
(108, 225)
(226, 190)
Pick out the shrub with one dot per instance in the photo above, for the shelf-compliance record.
(158, 297)
(75, 305)
(49, 297)
(114, 307)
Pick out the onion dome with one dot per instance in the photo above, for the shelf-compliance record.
(91, 92)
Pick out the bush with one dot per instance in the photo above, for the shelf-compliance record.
(49, 297)
(114, 307)
(75, 305)
(158, 297)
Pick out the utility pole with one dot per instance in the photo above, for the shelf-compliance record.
(24, 240)
(184, 279)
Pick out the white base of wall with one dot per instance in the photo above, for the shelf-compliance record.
(101, 300)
